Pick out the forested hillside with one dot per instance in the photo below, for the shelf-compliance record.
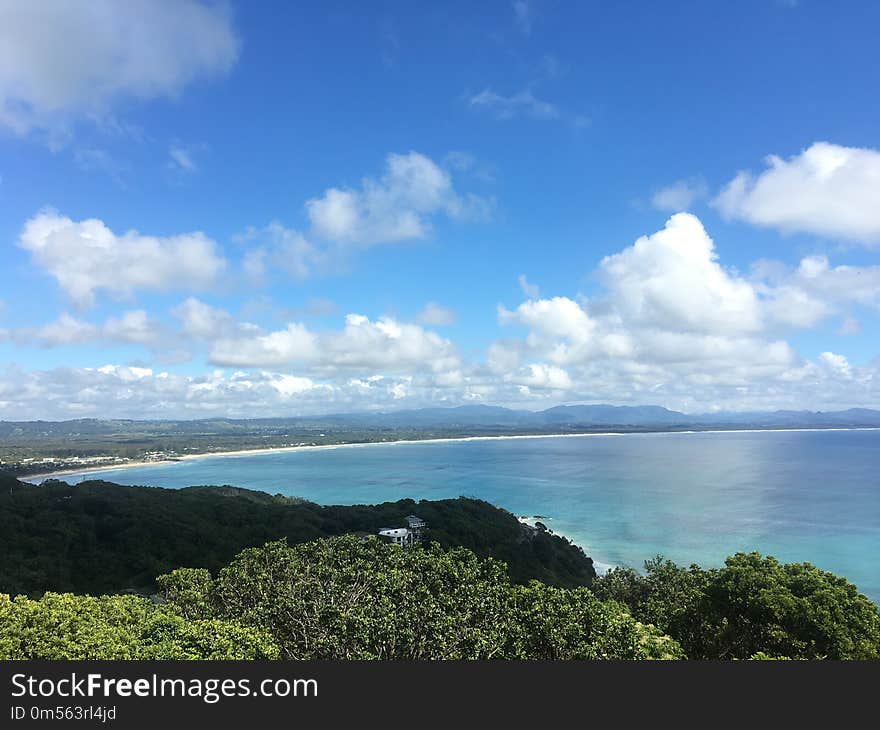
(352, 598)
(232, 573)
(99, 537)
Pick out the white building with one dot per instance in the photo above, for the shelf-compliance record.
(406, 536)
(398, 535)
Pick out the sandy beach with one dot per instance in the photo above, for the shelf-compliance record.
(281, 449)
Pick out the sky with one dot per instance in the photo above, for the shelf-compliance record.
(252, 209)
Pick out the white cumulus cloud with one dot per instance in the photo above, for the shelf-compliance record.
(670, 317)
(62, 60)
(66, 330)
(201, 320)
(396, 207)
(132, 327)
(382, 345)
(85, 257)
(673, 279)
(828, 190)
(815, 290)
(541, 376)
(295, 344)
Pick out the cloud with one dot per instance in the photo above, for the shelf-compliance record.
(850, 326)
(126, 391)
(319, 307)
(541, 377)
(66, 330)
(670, 314)
(138, 392)
(435, 315)
(98, 160)
(389, 42)
(64, 61)
(397, 207)
(522, 15)
(530, 290)
(673, 279)
(202, 321)
(830, 381)
(827, 190)
(459, 161)
(385, 345)
(522, 103)
(295, 344)
(814, 290)
(181, 159)
(680, 195)
(673, 326)
(132, 327)
(85, 257)
(836, 363)
(400, 205)
(126, 373)
(551, 319)
(670, 325)
(280, 249)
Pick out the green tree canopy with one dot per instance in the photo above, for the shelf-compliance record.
(346, 598)
(752, 606)
(96, 537)
(65, 626)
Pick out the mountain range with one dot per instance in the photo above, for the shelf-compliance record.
(564, 418)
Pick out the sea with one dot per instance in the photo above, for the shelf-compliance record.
(802, 496)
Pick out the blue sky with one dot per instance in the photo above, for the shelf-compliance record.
(278, 208)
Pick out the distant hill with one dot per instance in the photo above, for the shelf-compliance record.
(613, 415)
(853, 417)
(465, 417)
(97, 537)
(40, 447)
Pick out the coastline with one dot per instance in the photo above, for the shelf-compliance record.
(316, 447)
(599, 566)
(449, 439)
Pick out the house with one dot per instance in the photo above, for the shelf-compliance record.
(398, 535)
(405, 536)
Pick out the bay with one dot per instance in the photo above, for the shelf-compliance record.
(692, 497)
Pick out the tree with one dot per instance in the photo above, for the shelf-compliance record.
(187, 590)
(793, 610)
(65, 626)
(553, 623)
(753, 605)
(346, 598)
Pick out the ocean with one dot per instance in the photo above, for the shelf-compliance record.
(692, 497)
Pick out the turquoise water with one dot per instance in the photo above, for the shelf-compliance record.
(696, 497)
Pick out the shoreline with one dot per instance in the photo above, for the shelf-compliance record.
(599, 566)
(449, 439)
